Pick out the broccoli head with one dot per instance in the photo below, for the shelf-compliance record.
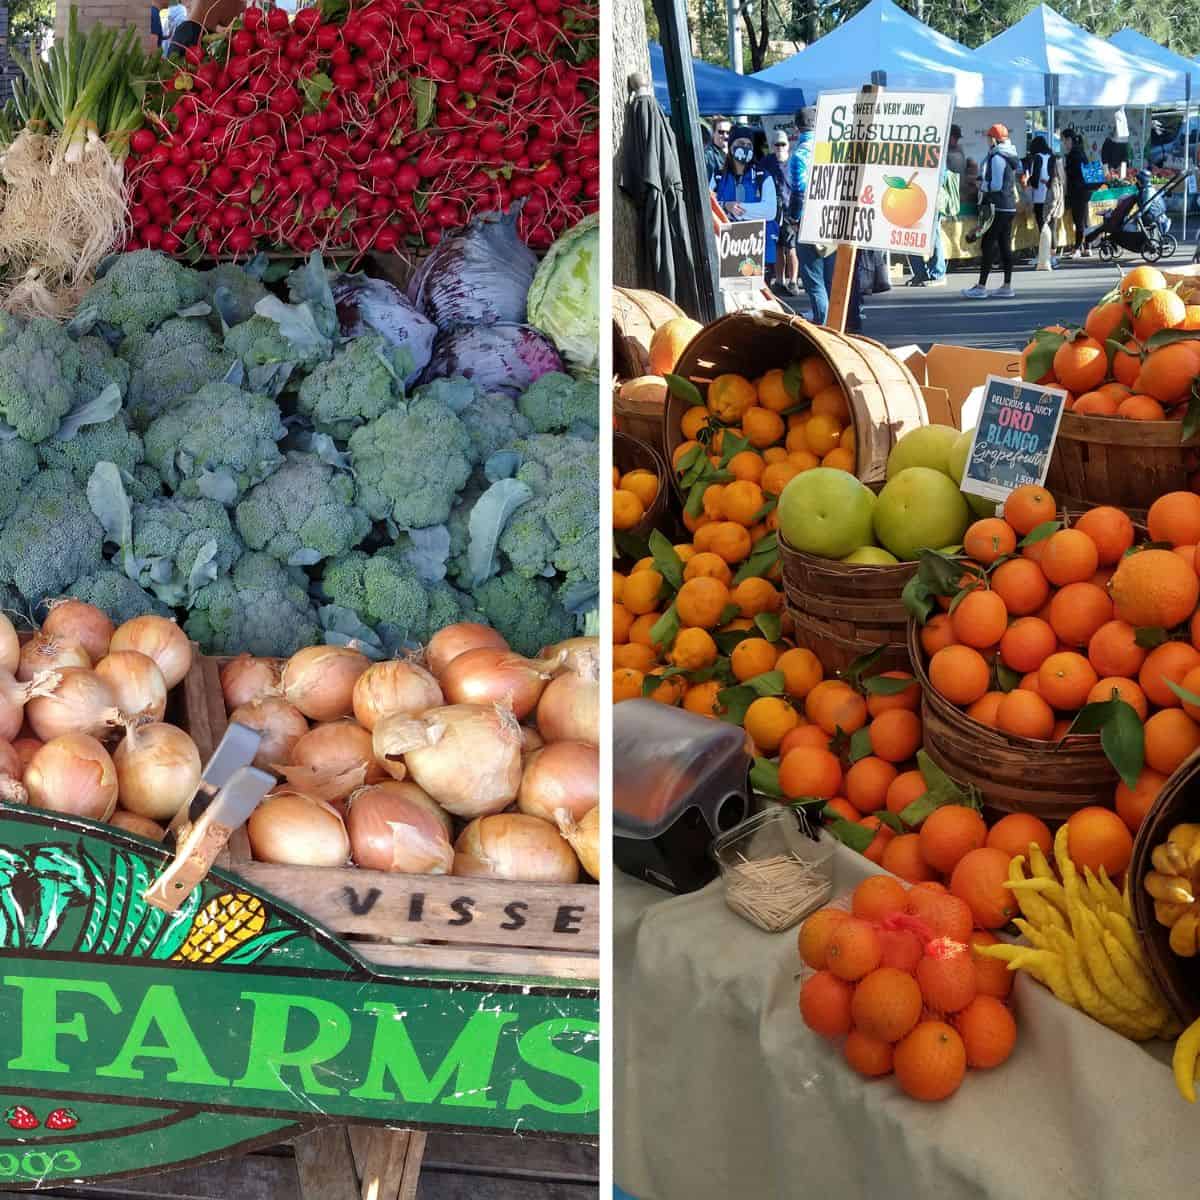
(18, 465)
(52, 538)
(181, 545)
(141, 290)
(41, 371)
(218, 443)
(260, 342)
(525, 611)
(117, 595)
(100, 368)
(411, 463)
(108, 441)
(302, 513)
(492, 421)
(142, 347)
(261, 607)
(163, 381)
(361, 382)
(240, 292)
(557, 403)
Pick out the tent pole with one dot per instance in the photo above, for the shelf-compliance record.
(1187, 149)
(733, 12)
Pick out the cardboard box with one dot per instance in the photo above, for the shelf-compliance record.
(948, 374)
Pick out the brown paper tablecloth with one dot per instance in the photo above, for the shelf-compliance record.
(722, 1093)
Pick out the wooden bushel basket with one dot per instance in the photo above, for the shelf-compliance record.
(885, 400)
(630, 454)
(1050, 780)
(637, 313)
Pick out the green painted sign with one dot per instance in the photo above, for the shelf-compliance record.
(136, 1039)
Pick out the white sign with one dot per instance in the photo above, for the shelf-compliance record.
(876, 170)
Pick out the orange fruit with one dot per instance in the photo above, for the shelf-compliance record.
(821, 695)
(768, 720)
(762, 427)
(1015, 832)
(1029, 683)
(1116, 687)
(1110, 529)
(1048, 377)
(839, 459)
(751, 657)
(1118, 391)
(729, 396)
(772, 393)
(1077, 611)
(1029, 506)
(627, 509)
(755, 596)
(636, 656)
(992, 976)
(815, 375)
(1070, 557)
(813, 938)
(1175, 518)
(1170, 735)
(1191, 683)
(979, 619)
(930, 1062)
(886, 1004)
(883, 835)
(1134, 803)
(1022, 585)
(747, 465)
(1170, 661)
(946, 975)
(948, 833)
(846, 711)
(1065, 679)
(627, 684)
(825, 1004)
(877, 897)
(896, 735)
(742, 501)
(831, 402)
(1167, 373)
(901, 949)
(936, 633)
(681, 451)
(960, 673)
(694, 650)
(622, 621)
(778, 475)
(694, 420)
(707, 565)
(904, 789)
(853, 949)
(1027, 643)
(867, 782)
(989, 539)
(903, 857)
(988, 1031)
(1097, 837)
(869, 1056)
(1113, 650)
(979, 879)
(986, 709)
(1192, 320)
(801, 668)
(701, 602)
(1080, 364)
(669, 690)
(1188, 554)
(1142, 278)
(822, 434)
(641, 593)
(1127, 364)
(701, 699)
(643, 484)
(1095, 404)
(1141, 408)
(942, 914)
(1025, 714)
(1160, 310)
(842, 808)
(910, 698)
(726, 538)
(641, 630)
(810, 771)
(1110, 320)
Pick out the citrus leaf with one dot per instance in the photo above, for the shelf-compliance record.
(1007, 680)
(1182, 692)
(891, 820)
(694, 505)
(913, 814)
(769, 683)
(652, 683)
(735, 703)
(854, 673)
(860, 744)
(918, 600)
(1092, 717)
(888, 685)
(793, 378)
(1149, 637)
(770, 625)
(687, 462)
(731, 447)
(1039, 533)
(764, 778)
(727, 639)
(684, 389)
(849, 833)
(1040, 359)
(666, 560)
(666, 629)
(728, 613)
(767, 509)
(763, 557)
(1123, 740)
(939, 783)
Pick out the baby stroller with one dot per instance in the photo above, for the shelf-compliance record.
(1148, 237)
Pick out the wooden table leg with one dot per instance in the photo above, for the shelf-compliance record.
(393, 1164)
(325, 1164)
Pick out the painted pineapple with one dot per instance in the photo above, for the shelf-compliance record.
(221, 926)
(1174, 885)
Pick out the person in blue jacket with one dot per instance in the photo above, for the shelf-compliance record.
(745, 189)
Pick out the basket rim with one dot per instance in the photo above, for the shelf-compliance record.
(837, 567)
(1164, 435)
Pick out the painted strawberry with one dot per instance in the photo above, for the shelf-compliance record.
(20, 1117)
(61, 1119)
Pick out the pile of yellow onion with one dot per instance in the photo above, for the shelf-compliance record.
(467, 759)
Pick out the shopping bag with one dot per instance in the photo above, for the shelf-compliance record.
(1045, 246)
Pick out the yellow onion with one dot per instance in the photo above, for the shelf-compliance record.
(137, 683)
(569, 709)
(489, 676)
(279, 724)
(152, 831)
(514, 846)
(448, 643)
(26, 748)
(78, 621)
(12, 768)
(398, 827)
(158, 770)
(396, 686)
(159, 639)
(47, 652)
(584, 838)
(289, 827)
(531, 740)
(78, 701)
(330, 761)
(244, 679)
(15, 696)
(319, 680)
(10, 646)
(466, 756)
(561, 776)
(73, 774)
(573, 653)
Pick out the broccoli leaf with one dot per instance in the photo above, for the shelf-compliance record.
(304, 558)
(504, 464)
(297, 324)
(218, 485)
(487, 521)
(343, 628)
(204, 569)
(110, 505)
(90, 412)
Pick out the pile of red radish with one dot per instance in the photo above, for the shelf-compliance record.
(470, 761)
(377, 129)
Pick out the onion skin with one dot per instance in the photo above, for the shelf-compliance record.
(397, 827)
(244, 679)
(26, 748)
(561, 776)
(447, 644)
(280, 724)
(319, 680)
(10, 646)
(575, 653)
(514, 846)
(569, 710)
(81, 702)
(12, 768)
(152, 831)
(489, 676)
(159, 639)
(73, 774)
(136, 682)
(330, 761)
(396, 686)
(158, 771)
(291, 828)
(531, 740)
(45, 652)
(466, 756)
(80, 622)
(584, 837)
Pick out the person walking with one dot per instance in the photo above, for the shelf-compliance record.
(787, 268)
(997, 190)
(1078, 191)
(1039, 168)
(745, 189)
(931, 271)
(815, 269)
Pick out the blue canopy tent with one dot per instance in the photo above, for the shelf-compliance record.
(722, 91)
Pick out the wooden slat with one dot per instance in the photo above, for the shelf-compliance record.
(483, 959)
(527, 1157)
(438, 1186)
(252, 1177)
(393, 1164)
(325, 1165)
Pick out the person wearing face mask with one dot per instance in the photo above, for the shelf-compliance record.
(745, 189)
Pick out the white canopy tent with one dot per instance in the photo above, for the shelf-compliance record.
(884, 44)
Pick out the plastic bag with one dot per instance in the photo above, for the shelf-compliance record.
(496, 358)
(365, 304)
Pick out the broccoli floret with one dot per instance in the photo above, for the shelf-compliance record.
(525, 611)
(52, 538)
(243, 291)
(493, 423)
(447, 606)
(182, 544)
(142, 347)
(141, 290)
(382, 589)
(557, 403)
(411, 462)
(18, 465)
(259, 342)
(361, 382)
(109, 441)
(100, 368)
(218, 443)
(142, 483)
(40, 376)
(163, 381)
(261, 607)
(117, 595)
(303, 513)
